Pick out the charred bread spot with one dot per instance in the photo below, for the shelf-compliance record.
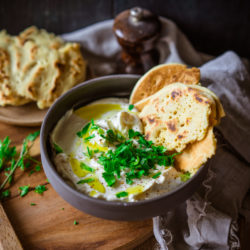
(171, 126)
(151, 120)
(198, 98)
(174, 94)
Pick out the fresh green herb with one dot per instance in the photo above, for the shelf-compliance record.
(48, 180)
(93, 125)
(57, 148)
(89, 153)
(86, 167)
(130, 107)
(185, 176)
(6, 152)
(84, 130)
(5, 193)
(33, 136)
(156, 175)
(75, 222)
(89, 138)
(136, 156)
(40, 189)
(109, 178)
(9, 177)
(112, 137)
(24, 190)
(62, 208)
(122, 194)
(31, 172)
(37, 168)
(27, 164)
(33, 204)
(8, 157)
(88, 180)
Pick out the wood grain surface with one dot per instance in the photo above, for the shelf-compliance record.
(50, 223)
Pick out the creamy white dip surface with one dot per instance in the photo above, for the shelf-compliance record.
(77, 161)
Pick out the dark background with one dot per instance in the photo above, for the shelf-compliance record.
(212, 26)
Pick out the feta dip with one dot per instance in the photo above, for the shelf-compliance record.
(100, 150)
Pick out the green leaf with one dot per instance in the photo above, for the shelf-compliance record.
(31, 172)
(93, 125)
(24, 190)
(33, 204)
(122, 194)
(109, 178)
(185, 176)
(37, 168)
(9, 177)
(130, 107)
(5, 193)
(76, 222)
(86, 167)
(88, 180)
(89, 138)
(33, 136)
(40, 189)
(156, 175)
(6, 152)
(84, 130)
(57, 148)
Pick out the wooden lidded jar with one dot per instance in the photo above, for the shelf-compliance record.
(137, 30)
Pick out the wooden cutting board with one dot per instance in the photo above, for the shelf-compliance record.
(50, 223)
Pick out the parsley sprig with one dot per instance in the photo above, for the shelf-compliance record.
(136, 156)
(8, 157)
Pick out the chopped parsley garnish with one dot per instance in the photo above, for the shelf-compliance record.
(33, 204)
(122, 194)
(130, 107)
(156, 175)
(84, 130)
(76, 222)
(89, 153)
(93, 125)
(88, 180)
(185, 176)
(136, 156)
(40, 189)
(112, 137)
(86, 167)
(89, 138)
(24, 190)
(57, 148)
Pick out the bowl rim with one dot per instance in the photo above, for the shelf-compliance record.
(60, 179)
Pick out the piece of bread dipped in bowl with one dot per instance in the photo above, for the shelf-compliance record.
(97, 156)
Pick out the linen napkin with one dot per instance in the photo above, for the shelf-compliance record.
(208, 220)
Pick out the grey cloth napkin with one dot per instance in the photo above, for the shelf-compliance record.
(208, 220)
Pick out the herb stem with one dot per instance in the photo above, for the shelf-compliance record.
(34, 160)
(22, 155)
